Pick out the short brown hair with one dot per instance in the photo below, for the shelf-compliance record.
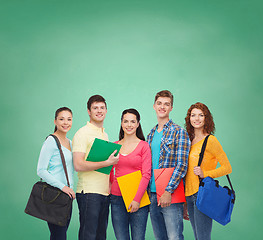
(95, 98)
(164, 93)
(209, 126)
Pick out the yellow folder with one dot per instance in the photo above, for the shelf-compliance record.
(129, 185)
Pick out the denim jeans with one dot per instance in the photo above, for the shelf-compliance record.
(201, 224)
(167, 222)
(58, 232)
(93, 215)
(122, 220)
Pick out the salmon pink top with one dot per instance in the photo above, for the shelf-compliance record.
(138, 159)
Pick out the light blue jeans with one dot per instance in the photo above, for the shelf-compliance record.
(122, 220)
(201, 224)
(167, 222)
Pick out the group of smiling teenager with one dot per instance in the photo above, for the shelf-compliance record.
(167, 146)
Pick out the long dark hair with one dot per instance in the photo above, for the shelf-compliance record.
(59, 110)
(139, 132)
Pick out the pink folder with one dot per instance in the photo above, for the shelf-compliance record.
(162, 177)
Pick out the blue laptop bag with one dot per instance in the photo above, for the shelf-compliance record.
(213, 200)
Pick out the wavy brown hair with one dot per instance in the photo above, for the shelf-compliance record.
(209, 126)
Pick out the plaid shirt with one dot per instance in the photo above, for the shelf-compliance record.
(174, 151)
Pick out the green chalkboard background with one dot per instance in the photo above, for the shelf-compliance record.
(59, 53)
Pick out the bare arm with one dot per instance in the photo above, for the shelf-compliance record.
(81, 165)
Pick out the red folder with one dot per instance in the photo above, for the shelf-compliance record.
(162, 177)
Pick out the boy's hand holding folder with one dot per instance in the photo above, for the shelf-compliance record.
(104, 151)
(165, 200)
(112, 160)
(162, 177)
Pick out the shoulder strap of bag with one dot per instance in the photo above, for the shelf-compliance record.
(201, 155)
(228, 178)
(62, 157)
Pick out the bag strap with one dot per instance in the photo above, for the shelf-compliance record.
(201, 155)
(228, 178)
(62, 157)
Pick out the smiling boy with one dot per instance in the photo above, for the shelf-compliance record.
(170, 146)
(93, 187)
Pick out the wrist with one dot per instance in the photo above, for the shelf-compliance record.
(166, 192)
(106, 163)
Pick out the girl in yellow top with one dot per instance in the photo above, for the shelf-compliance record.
(199, 123)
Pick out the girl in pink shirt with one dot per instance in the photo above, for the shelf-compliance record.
(135, 154)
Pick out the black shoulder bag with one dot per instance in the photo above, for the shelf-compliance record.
(213, 200)
(50, 203)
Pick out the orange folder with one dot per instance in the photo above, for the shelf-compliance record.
(162, 177)
(129, 185)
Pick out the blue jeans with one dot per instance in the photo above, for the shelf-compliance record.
(58, 232)
(201, 224)
(93, 215)
(121, 220)
(167, 222)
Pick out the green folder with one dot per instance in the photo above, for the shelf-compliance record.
(100, 151)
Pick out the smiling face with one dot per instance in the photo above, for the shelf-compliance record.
(63, 121)
(163, 107)
(129, 124)
(197, 118)
(97, 112)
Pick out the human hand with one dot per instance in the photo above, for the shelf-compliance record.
(112, 160)
(186, 215)
(134, 206)
(165, 199)
(198, 172)
(69, 191)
